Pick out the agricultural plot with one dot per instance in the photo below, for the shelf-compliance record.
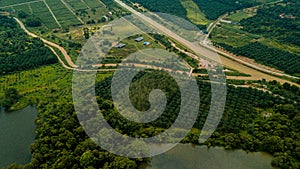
(76, 4)
(40, 10)
(25, 8)
(94, 4)
(12, 2)
(63, 15)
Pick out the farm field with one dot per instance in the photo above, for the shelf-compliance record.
(56, 14)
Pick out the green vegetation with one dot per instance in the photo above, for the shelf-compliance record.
(215, 8)
(194, 14)
(253, 120)
(171, 7)
(280, 59)
(279, 22)
(11, 97)
(19, 51)
(11, 2)
(267, 37)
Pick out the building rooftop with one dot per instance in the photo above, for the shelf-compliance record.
(139, 39)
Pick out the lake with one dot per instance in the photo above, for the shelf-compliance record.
(186, 156)
(17, 133)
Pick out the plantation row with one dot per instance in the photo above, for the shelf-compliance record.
(19, 51)
(248, 115)
(280, 59)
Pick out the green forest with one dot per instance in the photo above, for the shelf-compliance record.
(173, 7)
(215, 8)
(273, 24)
(20, 52)
(253, 120)
(211, 8)
(280, 22)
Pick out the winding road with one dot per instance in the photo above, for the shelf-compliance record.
(62, 50)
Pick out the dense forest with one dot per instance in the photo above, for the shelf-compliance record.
(253, 120)
(249, 115)
(215, 8)
(173, 7)
(279, 22)
(278, 58)
(20, 52)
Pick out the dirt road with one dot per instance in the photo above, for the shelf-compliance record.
(62, 50)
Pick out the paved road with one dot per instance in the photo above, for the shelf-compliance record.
(256, 72)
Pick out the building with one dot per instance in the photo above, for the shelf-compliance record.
(139, 39)
(121, 45)
(146, 43)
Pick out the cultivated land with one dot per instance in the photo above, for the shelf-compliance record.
(59, 13)
(253, 107)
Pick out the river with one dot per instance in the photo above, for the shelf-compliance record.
(17, 133)
(186, 156)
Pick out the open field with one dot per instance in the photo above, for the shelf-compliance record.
(194, 14)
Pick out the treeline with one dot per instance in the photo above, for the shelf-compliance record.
(20, 52)
(273, 57)
(279, 22)
(215, 8)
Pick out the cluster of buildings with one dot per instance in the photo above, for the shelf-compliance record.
(139, 39)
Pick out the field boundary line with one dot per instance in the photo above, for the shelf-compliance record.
(102, 3)
(85, 4)
(72, 11)
(30, 9)
(24, 3)
(52, 13)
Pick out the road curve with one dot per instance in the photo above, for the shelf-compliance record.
(62, 50)
(256, 72)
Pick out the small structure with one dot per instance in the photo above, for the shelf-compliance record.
(146, 43)
(139, 39)
(121, 45)
(225, 21)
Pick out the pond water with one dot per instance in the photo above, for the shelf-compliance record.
(16, 135)
(186, 156)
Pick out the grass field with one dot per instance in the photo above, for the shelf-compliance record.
(238, 16)
(194, 13)
(36, 84)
